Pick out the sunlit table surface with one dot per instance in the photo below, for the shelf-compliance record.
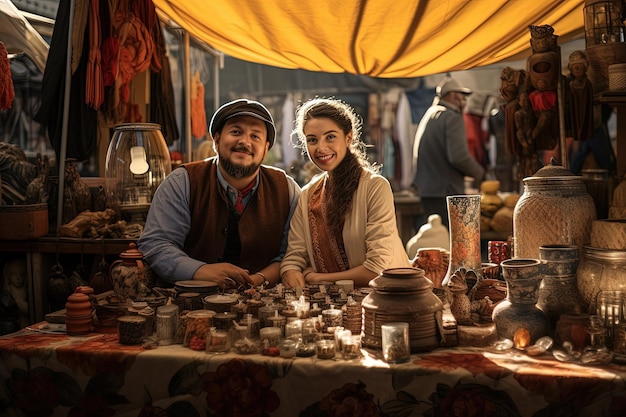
(48, 374)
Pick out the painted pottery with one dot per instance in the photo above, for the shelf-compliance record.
(130, 277)
(518, 313)
(464, 220)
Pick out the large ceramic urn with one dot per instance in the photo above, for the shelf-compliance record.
(555, 208)
(403, 295)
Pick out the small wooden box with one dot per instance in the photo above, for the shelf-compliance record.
(20, 222)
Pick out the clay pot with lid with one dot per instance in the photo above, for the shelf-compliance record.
(131, 278)
(555, 208)
(78, 314)
(403, 295)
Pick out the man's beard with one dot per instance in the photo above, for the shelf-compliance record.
(236, 170)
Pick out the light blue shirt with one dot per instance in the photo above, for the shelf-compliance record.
(169, 219)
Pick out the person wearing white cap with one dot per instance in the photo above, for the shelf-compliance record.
(224, 219)
(441, 156)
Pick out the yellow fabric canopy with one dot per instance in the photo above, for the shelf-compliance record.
(379, 38)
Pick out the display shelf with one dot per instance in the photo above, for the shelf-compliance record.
(42, 253)
(67, 245)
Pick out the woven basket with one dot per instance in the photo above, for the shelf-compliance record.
(602, 55)
(617, 77)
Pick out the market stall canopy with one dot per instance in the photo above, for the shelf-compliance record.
(379, 38)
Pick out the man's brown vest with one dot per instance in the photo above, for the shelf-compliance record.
(260, 226)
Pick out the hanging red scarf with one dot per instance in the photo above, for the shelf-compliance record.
(7, 93)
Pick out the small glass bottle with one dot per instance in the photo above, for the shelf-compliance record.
(395, 338)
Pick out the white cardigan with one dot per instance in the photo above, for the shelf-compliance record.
(370, 233)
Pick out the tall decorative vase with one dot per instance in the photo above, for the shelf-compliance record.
(464, 220)
(518, 316)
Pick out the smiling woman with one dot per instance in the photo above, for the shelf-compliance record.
(344, 227)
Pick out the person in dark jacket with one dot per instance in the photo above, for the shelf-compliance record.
(224, 219)
(440, 151)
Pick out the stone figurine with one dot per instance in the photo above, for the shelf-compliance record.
(37, 190)
(76, 194)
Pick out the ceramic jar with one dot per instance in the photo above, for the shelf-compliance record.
(558, 292)
(572, 327)
(220, 303)
(78, 314)
(403, 295)
(131, 279)
(600, 270)
(555, 208)
(519, 312)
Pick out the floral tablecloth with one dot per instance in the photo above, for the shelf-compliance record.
(59, 375)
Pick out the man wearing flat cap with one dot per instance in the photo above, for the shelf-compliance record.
(441, 156)
(224, 219)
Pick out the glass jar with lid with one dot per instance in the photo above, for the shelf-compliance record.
(137, 161)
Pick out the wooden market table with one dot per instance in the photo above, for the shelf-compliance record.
(92, 375)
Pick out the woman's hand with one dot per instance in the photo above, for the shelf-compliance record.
(293, 279)
(309, 276)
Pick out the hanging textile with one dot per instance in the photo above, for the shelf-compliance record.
(79, 24)
(198, 112)
(82, 120)
(7, 93)
(162, 107)
(95, 84)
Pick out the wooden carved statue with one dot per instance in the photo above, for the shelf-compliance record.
(525, 124)
(580, 97)
(512, 82)
(532, 112)
(543, 72)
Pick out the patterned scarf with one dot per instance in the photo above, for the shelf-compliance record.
(328, 249)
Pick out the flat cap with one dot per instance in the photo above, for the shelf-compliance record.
(450, 84)
(243, 107)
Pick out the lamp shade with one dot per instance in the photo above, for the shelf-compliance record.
(137, 161)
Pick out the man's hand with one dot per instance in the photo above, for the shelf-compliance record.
(226, 275)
